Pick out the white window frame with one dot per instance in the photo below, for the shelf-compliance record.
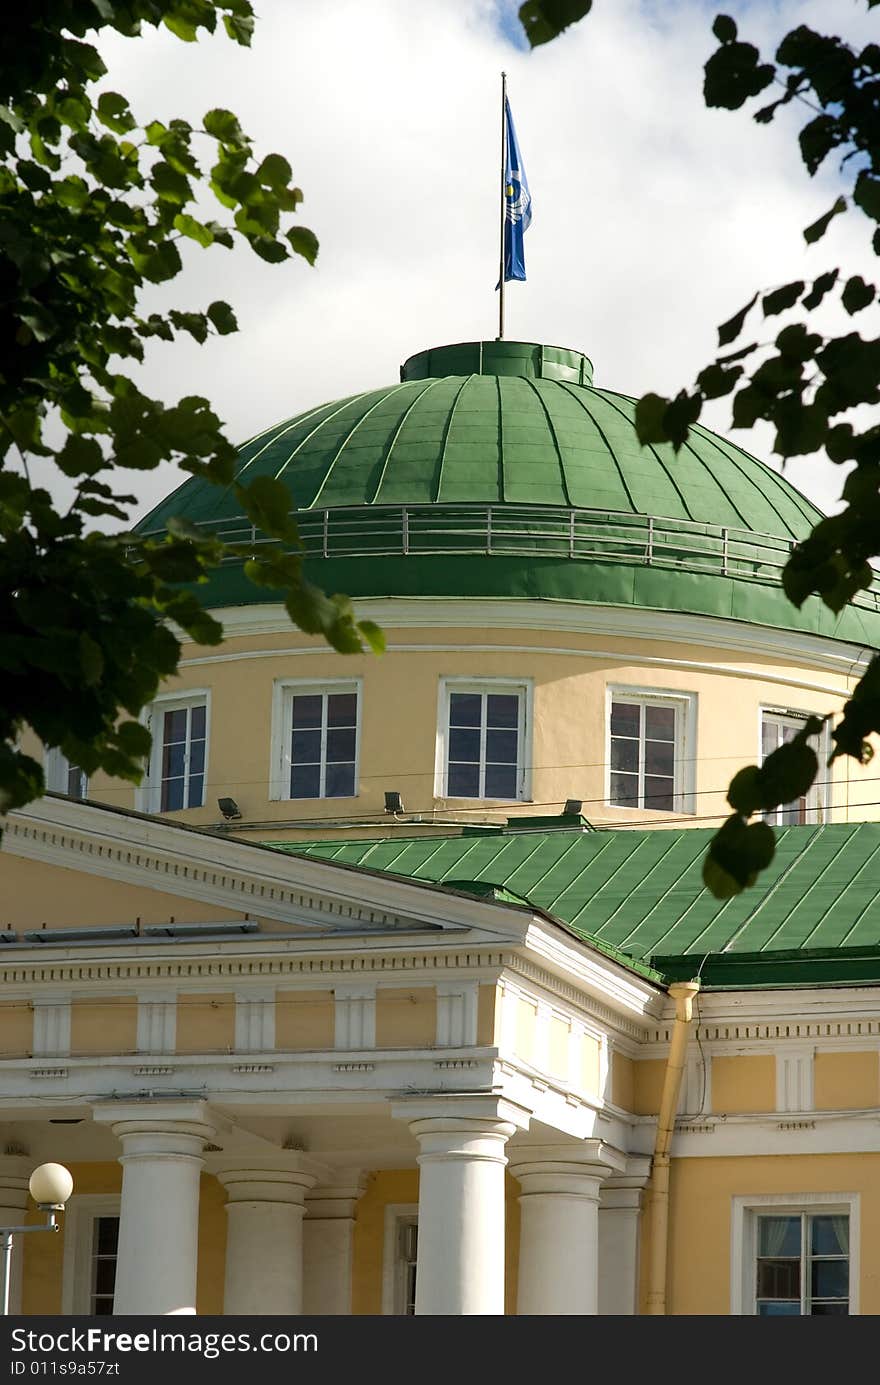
(80, 1216)
(283, 692)
(818, 796)
(56, 768)
(524, 689)
(744, 1240)
(149, 795)
(684, 764)
(397, 1214)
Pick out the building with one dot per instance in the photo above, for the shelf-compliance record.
(395, 984)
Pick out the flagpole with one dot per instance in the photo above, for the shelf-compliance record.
(503, 203)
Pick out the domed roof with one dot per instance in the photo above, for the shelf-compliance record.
(497, 469)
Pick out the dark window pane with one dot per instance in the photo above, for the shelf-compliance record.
(779, 1279)
(625, 755)
(769, 737)
(779, 1236)
(197, 721)
(501, 781)
(502, 746)
(197, 757)
(305, 781)
(625, 790)
(464, 744)
(103, 1308)
(464, 781)
(106, 1235)
(105, 1276)
(305, 747)
(502, 710)
(828, 1310)
(196, 792)
(465, 709)
(658, 793)
(779, 1310)
(339, 781)
(830, 1279)
(660, 723)
(340, 744)
(307, 710)
(175, 726)
(625, 719)
(77, 782)
(830, 1235)
(173, 757)
(659, 757)
(342, 709)
(172, 795)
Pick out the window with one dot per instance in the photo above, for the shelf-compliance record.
(400, 1260)
(776, 729)
(795, 1256)
(648, 736)
(91, 1236)
(482, 740)
(63, 777)
(178, 759)
(316, 740)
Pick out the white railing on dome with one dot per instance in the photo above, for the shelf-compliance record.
(381, 531)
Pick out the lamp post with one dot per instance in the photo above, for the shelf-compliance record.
(50, 1187)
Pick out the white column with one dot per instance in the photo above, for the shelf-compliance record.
(462, 1141)
(15, 1170)
(264, 1238)
(620, 1206)
(559, 1225)
(162, 1144)
(328, 1247)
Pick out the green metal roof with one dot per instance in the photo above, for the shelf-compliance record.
(813, 918)
(496, 469)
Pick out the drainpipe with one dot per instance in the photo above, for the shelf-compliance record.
(682, 992)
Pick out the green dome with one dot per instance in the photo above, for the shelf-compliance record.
(496, 469)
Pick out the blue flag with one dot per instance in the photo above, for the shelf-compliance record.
(517, 204)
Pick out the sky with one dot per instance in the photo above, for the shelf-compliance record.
(654, 219)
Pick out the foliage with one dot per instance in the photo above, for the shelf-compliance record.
(805, 384)
(95, 206)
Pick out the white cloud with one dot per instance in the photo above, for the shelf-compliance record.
(654, 218)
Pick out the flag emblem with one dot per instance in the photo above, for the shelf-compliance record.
(518, 203)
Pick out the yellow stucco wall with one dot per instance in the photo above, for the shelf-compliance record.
(623, 1081)
(526, 1019)
(402, 1186)
(647, 1086)
(590, 1064)
(205, 1023)
(16, 1029)
(746, 1083)
(108, 1025)
(35, 894)
(700, 1223)
(558, 1049)
(488, 1016)
(846, 1081)
(406, 1017)
(304, 1020)
(569, 751)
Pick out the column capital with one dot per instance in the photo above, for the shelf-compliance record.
(285, 1177)
(625, 1189)
(157, 1129)
(15, 1172)
(336, 1199)
(565, 1168)
(461, 1111)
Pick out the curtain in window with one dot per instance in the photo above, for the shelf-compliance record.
(840, 1226)
(773, 1230)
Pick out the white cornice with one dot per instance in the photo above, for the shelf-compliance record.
(813, 651)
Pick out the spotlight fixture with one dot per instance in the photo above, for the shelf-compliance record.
(393, 802)
(229, 808)
(573, 806)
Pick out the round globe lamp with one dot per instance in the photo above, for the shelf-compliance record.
(51, 1185)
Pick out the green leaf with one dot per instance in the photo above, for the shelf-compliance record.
(730, 330)
(715, 381)
(650, 413)
(113, 112)
(737, 854)
(373, 634)
(857, 294)
(80, 457)
(194, 323)
(724, 29)
(782, 298)
(544, 20)
(223, 318)
(91, 659)
(733, 74)
(818, 228)
(195, 230)
(274, 171)
(867, 195)
(268, 503)
(821, 286)
(224, 126)
(303, 242)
